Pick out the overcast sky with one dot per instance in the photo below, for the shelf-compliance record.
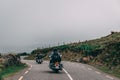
(28, 24)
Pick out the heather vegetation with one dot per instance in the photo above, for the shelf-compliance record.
(103, 53)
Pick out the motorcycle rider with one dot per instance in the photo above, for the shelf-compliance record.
(39, 55)
(53, 56)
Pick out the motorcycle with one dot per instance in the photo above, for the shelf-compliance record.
(55, 63)
(39, 61)
(56, 66)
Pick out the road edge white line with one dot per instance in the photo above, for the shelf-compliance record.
(20, 78)
(67, 74)
(109, 77)
(97, 72)
(29, 65)
(26, 72)
(89, 68)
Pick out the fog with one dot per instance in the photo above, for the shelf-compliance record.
(29, 24)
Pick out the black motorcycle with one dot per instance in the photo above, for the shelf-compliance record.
(39, 61)
(55, 64)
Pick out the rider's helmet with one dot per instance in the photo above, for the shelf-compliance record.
(55, 50)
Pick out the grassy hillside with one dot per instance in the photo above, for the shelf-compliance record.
(10, 64)
(103, 52)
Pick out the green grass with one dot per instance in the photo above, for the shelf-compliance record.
(12, 70)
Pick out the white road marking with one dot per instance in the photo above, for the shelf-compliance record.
(29, 65)
(89, 69)
(26, 72)
(109, 77)
(20, 78)
(68, 74)
(97, 72)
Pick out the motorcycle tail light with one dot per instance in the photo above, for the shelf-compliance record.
(57, 64)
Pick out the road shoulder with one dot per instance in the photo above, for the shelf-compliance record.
(17, 75)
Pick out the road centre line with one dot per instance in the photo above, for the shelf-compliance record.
(67, 74)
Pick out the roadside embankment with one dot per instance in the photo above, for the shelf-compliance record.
(9, 65)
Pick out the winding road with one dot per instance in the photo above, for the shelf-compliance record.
(71, 71)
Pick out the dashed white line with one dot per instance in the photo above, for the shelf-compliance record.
(109, 77)
(29, 65)
(26, 72)
(68, 74)
(89, 69)
(97, 72)
(20, 78)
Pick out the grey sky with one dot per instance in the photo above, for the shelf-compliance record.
(28, 24)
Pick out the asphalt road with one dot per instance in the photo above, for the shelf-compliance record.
(71, 71)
